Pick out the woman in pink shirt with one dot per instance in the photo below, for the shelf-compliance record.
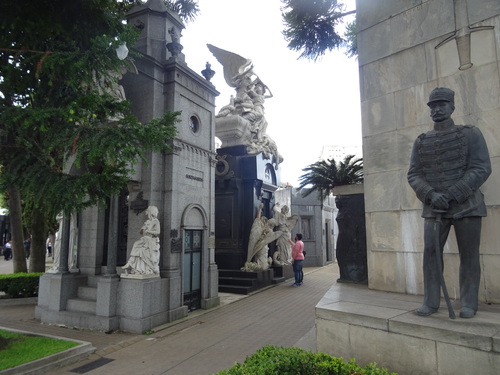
(297, 258)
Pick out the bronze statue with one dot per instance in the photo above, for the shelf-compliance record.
(448, 165)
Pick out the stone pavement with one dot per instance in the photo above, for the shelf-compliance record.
(203, 343)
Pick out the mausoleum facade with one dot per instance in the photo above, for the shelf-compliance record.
(98, 294)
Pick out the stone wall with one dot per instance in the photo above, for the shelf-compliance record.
(402, 57)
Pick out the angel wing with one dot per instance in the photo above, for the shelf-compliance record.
(291, 222)
(255, 233)
(233, 64)
(263, 241)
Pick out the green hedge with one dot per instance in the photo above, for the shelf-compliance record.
(272, 360)
(21, 284)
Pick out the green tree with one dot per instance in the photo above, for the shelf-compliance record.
(311, 27)
(324, 175)
(59, 72)
(186, 9)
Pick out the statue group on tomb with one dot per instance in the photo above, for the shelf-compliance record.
(263, 232)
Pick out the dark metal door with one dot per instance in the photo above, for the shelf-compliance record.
(191, 278)
(327, 242)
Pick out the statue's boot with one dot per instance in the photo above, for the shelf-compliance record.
(467, 312)
(426, 310)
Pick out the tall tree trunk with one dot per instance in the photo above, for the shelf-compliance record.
(39, 231)
(16, 224)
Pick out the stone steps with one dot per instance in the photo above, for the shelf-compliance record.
(85, 302)
(242, 282)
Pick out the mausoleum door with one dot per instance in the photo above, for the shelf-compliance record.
(115, 230)
(327, 242)
(123, 209)
(193, 240)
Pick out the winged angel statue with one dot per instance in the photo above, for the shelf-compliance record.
(248, 102)
(263, 233)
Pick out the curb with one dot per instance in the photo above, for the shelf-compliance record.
(51, 362)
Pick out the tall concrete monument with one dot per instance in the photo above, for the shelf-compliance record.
(407, 49)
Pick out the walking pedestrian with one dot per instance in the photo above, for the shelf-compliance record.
(27, 247)
(7, 250)
(49, 247)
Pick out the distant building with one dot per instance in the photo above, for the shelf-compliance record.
(316, 223)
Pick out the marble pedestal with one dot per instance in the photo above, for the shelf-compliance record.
(353, 321)
(142, 306)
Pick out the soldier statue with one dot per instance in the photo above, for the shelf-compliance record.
(448, 165)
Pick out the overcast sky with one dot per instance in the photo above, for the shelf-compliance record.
(314, 104)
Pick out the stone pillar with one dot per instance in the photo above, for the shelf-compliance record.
(112, 237)
(64, 255)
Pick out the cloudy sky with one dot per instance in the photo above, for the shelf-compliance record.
(314, 104)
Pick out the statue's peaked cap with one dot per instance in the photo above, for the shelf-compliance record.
(442, 93)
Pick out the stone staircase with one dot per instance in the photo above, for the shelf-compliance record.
(85, 301)
(82, 310)
(242, 282)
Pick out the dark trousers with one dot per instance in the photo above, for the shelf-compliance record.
(7, 253)
(297, 271)
(468, 233)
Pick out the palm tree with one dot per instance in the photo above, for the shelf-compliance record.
(187, 9)
(324, 175)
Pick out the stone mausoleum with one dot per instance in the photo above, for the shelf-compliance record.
(91, 293)
(406, 49)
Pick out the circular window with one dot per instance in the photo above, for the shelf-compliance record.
(194, 124)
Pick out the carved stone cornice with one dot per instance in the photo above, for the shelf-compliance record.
(180, 146)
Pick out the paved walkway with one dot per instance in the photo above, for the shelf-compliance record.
(203, 343)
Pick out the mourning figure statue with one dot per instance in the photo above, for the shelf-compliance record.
(448, 165)
(145, 254)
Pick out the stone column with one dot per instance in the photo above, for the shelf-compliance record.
(112, 237)
(64, 255)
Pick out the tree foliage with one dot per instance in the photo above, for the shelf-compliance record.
(59, 69)
(186, 9)
(311, 27)
(324, 175)
(67, 138)
(351, 40)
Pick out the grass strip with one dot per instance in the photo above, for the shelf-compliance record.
(19, 348)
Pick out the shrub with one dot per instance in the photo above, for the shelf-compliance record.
(272, 360)
(20, 284)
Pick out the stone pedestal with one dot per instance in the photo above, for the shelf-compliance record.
(142, 306)
(233, 130)
(353, 321)
(284, 272)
